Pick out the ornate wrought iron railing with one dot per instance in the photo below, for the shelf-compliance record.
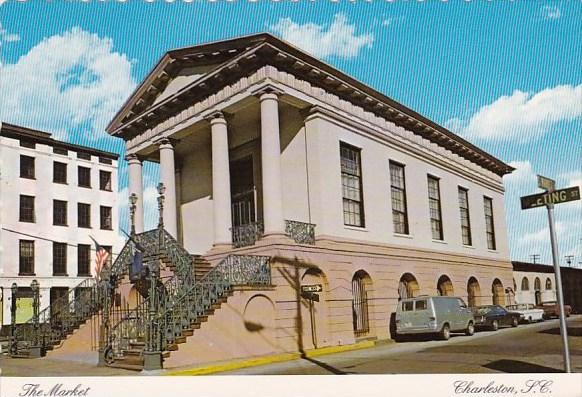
(245, 235)
(179, 257)
(300, 232)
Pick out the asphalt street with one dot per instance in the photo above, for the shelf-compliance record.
(527, 348)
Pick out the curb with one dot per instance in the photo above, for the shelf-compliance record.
(233, 365)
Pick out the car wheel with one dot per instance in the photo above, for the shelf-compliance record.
(514, 322)
(530, 321)
(494, 325)
(470, 329)
(445, 333)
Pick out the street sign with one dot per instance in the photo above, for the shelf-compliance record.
(555, 197)
(312, 296)
(546, 183)
(311, 288)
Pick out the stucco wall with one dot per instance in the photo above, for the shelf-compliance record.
(528, 296)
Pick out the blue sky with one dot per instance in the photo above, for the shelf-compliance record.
(507, 76)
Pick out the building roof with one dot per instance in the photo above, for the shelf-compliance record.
(540, 267)
(19, 132)
(229, 60)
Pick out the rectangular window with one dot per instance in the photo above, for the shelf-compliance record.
(465, 218)
(105, 217)
(83, 215)
(83, 156)
(353, 200)
(59, 259)
(59, 172)
(489, 223)
(83, 260)
(60, 150)
(434, 204)
(105, 160)
(26, 258)
(27, 167)
(27, 143)
(398, 197)
(105, 180)
(59, 213)
(26, 209)
(84, 176)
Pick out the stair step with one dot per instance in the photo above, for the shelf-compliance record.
(124, 365)
(133, 352)
(172, 347)
(187, 332)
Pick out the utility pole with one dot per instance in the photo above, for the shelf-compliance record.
(569, 259)
(534, 258)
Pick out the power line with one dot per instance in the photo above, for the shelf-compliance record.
(53, 241)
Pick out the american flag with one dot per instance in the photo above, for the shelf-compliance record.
(101, 256)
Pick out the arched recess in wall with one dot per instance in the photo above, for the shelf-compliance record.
(473, 292)
(548, 283)
(524, 284)
(312, 324)
(497, 293)
(361, 288)
(259, 322)
(445, 286)
(408, 286)
(538, 290)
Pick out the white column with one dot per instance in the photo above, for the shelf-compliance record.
(220, 181)
(168, 178)
(271, 163)
(134, 169)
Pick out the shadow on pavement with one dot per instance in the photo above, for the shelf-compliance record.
(327, 367)
(519, 367)
(572, 331)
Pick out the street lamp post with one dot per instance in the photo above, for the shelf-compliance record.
(161, 190)
(14, 342)
(35, 350)
(132, 208)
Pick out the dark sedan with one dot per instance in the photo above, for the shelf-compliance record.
(494, 316)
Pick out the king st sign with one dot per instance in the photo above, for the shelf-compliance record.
(555, 197)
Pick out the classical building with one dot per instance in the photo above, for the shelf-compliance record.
(54, 196)
(536, 283)
(307, 202)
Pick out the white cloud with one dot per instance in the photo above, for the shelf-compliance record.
(542, 235)
(72, 82)
(551, 12)
(7, 37)
(339, 39)
(523, 174)
(522, 116)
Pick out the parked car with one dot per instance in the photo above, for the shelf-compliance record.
(529, 313)
(552, 309)
(494, 316)
(433, 315)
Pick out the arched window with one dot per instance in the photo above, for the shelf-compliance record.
(525, 284)
(445, 286)
(360, 282)
(548, 283)
(408, 286)
(497, 291)
(537, 284)
(473, 292)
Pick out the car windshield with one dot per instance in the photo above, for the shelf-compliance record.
(482, 309)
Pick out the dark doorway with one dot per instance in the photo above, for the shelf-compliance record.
(243, 192)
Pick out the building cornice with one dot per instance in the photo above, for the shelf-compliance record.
(44, 138)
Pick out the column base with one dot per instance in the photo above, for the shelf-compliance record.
(35, 352)
(152, 361)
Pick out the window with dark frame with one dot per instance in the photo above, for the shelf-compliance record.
(26, 258)
(59, 213)
(489, 223)
(59, 259)
(83, 215)
(398, 198)
(465, 217)
(26, 209)
(83, 260)
(60, 150)
(59, 172)
(105, 215)
(353, 200)
(105, 180)
(105, 160)
(83, 156)
(84, 176)
(434, 204)
(27, 143)
(26, 167)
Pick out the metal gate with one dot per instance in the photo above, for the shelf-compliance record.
(360, 306)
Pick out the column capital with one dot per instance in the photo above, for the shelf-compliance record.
(133, 158)
(267, 92)
(165, 141)
(216, 117)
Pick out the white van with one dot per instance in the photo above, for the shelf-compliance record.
(434, 315)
